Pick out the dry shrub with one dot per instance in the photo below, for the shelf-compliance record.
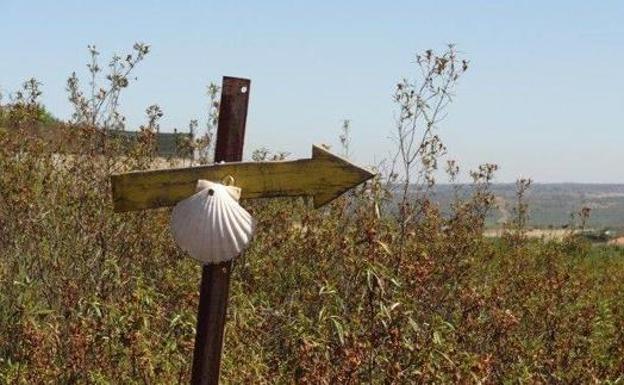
(347, 294)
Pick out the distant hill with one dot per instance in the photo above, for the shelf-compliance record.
(552, 204)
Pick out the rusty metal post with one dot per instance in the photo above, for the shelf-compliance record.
(215, 284)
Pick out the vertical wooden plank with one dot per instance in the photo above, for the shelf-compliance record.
(215, 284)
(213, 298)
(232, 118)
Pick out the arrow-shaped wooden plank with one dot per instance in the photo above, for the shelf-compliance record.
(325, 177)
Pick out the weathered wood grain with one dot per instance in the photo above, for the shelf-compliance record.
(325, 177)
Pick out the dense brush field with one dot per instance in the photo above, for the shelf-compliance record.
(342, 295)
(382, 286)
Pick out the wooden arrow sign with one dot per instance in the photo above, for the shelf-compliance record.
(324, 177)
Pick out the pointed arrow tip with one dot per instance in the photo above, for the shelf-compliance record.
(348, 174)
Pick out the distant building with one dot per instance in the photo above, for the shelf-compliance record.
(167, 143)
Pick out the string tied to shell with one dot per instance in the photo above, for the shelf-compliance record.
(211, 225)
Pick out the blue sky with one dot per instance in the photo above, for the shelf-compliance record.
(543, 97)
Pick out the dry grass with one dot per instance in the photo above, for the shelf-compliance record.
(332, 296)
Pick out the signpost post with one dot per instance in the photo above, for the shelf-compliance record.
(324, 177)
(215, 281)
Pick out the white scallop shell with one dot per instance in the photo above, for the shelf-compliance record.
(210, 225)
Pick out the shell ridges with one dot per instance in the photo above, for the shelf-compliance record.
(211, 225)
